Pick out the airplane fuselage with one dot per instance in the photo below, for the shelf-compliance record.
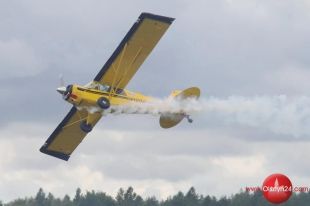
(84, 96)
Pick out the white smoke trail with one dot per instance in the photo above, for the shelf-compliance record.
(159, 106)
(279, 114)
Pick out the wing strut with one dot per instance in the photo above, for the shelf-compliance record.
(117, 70)
(129, 67)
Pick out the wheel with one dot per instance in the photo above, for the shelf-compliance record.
(85, 127)
(190, 120)
(103, 103)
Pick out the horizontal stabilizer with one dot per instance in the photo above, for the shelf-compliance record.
(169, 120)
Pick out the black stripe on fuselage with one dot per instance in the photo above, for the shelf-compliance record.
(107, 94)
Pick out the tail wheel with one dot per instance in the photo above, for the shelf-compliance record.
(103, 103)
(85, 127)
(190, 120)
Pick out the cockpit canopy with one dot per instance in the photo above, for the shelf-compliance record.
(103, 87)
(98, 86)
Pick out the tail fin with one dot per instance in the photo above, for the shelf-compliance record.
(171, 119)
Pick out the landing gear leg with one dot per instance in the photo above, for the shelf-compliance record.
(189, 119)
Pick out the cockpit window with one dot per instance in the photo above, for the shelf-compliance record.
(98, 86)
(103, 87)
(120, 91)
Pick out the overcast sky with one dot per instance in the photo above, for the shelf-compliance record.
(249, 57)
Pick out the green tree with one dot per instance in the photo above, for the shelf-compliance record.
(128, 198)
(191, 197)
(67, 201)
(49, 200)
(243, 198)
(96, 199)
(223, 201)
(176, 200)
(40, 198)
(120, 197)
(151, 201)
(208, 201)
(77, 197)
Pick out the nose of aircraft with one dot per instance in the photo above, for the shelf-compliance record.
(61, 90)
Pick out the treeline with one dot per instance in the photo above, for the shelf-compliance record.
(130, 198)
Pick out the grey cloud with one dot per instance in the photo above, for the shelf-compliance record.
(17, 59)
(151, 167)
(289, 158)
(202, 143)
(201, 158)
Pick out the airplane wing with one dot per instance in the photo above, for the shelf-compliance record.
(133, 50)
(67, 136)
(117, 72)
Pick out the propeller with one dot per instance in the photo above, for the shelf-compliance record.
(65, 91)
(61, 89)
(61, 80)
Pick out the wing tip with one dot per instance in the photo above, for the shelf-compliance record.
(52, 137)
(143, 15)
(59, 155)
(165, 19)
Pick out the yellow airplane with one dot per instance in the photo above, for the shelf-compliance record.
(108, 88)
